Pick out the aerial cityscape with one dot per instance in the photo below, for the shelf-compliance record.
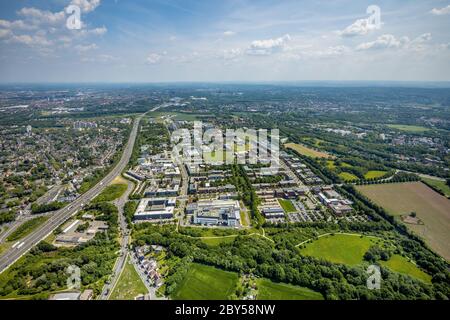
(279, 150)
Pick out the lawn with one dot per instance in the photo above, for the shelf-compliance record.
(119, 180)
(331, 164)
(268, 290)
(287, 205)
(214, 242)
(374, 174)
(111, 193)
(438, 184)
(4, 247)
(307, 151)
(400, 264)
(26, 228)
(408, 128)
(129, 285)
(206, 283)
(244, 219)
(340, 248)
(346, 176)
(431, 208)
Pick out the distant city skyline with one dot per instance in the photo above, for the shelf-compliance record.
(224, 41)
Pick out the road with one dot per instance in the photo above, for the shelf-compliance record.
(151, 289)
(60, 216)
(184, 190)
(125, 239)
(26, 214)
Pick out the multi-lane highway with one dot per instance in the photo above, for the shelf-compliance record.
(10, 256)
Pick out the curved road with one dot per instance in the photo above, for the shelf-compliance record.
(59, 217)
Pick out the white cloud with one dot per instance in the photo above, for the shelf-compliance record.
(231, 54)
(269, 46)
(38, 16)
(35, 40)
(103, 58)
(358, 28)
(229, 33)
(86, 5)
(444, 46)
(40, 29)
(388, 41)
(441, 11)
(98, 31)
(382, 42)
(84, 48)
(16, 24)
(332, 51)
(153, 58)
(5, 33)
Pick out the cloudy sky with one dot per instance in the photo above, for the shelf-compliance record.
(224, 40)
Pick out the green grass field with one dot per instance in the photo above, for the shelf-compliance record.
(340, 248)
(129, 285)
(400, 264)
(346, 176)
(206, 283)
(287, 205)
(307, 151)
(432, 209)
(26, 228)
(438, 184)
(268, 290)
(213, 242)
(331, 164)
(244, 219)
(374, 174)
(111, 193)
(4, 246)
(408, 128)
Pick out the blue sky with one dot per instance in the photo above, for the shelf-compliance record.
(226, 40)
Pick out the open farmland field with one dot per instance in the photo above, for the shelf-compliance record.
(206, 283)
(431, 208)
(307, 151)
(340, 248)
(268, 290)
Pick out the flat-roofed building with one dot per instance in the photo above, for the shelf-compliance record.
(155, 209)
(218, 212)
(272, 212)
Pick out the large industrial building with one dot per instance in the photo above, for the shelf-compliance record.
(155, 209)
(216, 212)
